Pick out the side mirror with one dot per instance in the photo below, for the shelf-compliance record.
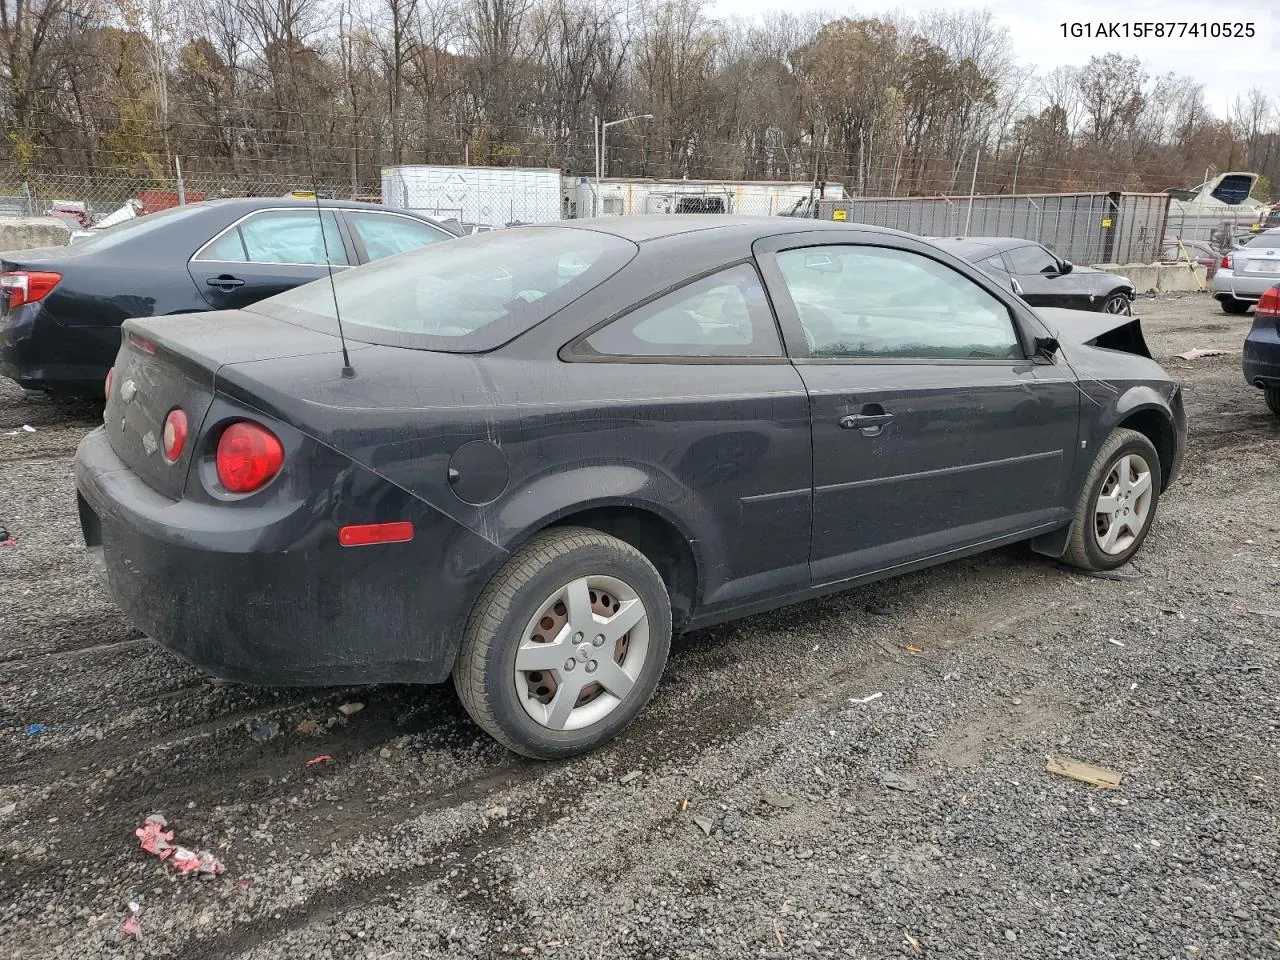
(1017, 287)
(1065, 267)
(1046, 347)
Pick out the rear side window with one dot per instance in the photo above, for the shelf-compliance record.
(465, 296)
(722, 315)
(386, 234)
(279, 236)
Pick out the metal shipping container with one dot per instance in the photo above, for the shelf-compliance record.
(625, 196)
(496, 196)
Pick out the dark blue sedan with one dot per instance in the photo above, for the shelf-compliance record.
(61, 307)
(1262, 349)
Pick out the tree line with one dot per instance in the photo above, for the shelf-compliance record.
(336, 89)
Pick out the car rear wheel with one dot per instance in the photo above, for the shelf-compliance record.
(1233, 306)
(1273, 399)
(1117, 504)
(565, 645)
(1118, 303)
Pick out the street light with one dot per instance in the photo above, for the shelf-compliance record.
(600, 147)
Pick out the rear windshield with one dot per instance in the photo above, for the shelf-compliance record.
(130, 230)
(462, 296)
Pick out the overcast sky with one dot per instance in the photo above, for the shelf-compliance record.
(1225, 67)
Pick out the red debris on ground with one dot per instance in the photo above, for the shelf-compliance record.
(155, 839)
(191, 861)
(159, 841)
(132, 928)
(323, 758)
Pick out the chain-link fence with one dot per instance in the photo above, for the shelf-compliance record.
(101, 194)
(493, 196)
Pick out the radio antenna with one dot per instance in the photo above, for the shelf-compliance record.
(348, 371)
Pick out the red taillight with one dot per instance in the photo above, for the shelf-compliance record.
(248, 456)
(1225, 263)
(175, 434)
(106, 387)
(1269, 304)
(27, 286)
(362, 535)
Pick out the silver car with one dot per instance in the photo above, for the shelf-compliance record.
(1248, 272)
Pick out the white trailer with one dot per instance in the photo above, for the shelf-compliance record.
(622, 196)
(496, 196)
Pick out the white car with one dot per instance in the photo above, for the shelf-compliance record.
(1246, 273)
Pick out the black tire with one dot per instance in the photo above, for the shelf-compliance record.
(1233, 306)
(485, 672)
(1117, 303)
(1083, 548)
(1273, 399)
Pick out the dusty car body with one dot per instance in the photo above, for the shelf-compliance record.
(555, 445)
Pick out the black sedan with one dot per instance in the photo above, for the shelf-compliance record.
(1041, 277)
(543, 449)
(61, 307)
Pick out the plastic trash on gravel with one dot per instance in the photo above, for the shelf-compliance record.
(155, 839)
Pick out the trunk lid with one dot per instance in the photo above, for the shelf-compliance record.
(1261, 258)
(172, 362)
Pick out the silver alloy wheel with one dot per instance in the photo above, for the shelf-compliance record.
(1118, 304)
(582, 653)
(1124, 504)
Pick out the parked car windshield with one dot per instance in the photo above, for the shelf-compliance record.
(463, 296)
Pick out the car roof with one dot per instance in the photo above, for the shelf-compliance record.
(658, 226)
(249, 204)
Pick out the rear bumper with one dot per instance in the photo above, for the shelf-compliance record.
(41, 354)
(265, 595)
(1241, 286)
(1261, 361)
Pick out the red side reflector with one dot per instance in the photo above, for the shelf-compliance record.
(106, 387)
(142, 343)
(362, 535)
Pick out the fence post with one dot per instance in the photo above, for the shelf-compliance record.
(31, 203)
(182, 188)
(973, 184)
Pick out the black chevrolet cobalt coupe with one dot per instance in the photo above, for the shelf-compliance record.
(555, 445)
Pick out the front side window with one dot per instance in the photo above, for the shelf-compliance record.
(1032, 258)
(880, 303)
(279, 236)
(722, 315)
(386, 234)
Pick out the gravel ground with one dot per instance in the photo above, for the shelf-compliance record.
(773, 815)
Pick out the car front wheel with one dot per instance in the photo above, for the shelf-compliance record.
(1117, 504)
(1118, 303)
(1233, 306)
(565, 645)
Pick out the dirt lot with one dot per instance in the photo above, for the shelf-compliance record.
(422, 838)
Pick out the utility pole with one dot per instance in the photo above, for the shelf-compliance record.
(972, 186)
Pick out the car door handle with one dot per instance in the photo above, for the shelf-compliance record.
(866, 421)
(225, 282)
